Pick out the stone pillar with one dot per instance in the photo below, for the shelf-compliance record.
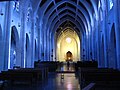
(105, 31)
(22, 40)
(98, 42)
(32, 42)
(45, 43)
(6, 38)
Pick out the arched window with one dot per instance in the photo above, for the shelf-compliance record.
(28, 14)
(16, 5)
(99, 4)
(110, 4)
(100, 10)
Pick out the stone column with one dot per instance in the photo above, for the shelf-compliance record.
(105, 31)
(22, 39)
(6, 38)
(32, 42)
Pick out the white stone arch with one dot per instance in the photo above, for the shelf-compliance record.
(14, 56)
(112, 61)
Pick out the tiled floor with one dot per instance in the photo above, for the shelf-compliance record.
(55, 81)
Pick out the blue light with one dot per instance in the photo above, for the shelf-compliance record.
(111, 4)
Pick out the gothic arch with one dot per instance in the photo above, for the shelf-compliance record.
(102, 54)
(112, 48)
(14, 46)
(27, 49)
(36, 51)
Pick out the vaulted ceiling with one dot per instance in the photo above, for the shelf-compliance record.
(57, 14)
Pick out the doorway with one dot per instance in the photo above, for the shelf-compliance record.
(69, 56)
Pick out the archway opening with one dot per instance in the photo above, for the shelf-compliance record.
(36, 51)
(102, 56)
(14, 47)
(68, 41)
(69, 56)
(27, 56)
(112, 49)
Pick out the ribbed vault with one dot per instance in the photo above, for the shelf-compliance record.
(53, 11)
(57, 15)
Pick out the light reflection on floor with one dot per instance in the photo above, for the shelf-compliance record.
(69, 82)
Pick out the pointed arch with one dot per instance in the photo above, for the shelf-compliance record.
(27, 48)
(102, 54)
(14, 47)
(36, 50)
(112, 48)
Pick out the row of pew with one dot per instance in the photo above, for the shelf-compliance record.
(104, 78)
(85, 64)
(51, 65)
(94, 78)
(28, 75)
(99, 78)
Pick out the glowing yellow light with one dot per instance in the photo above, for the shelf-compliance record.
(58, 45)
(68, 40)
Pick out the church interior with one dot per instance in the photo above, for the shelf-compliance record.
(59, 45)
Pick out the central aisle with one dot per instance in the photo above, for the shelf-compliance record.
(67, 82)
(63, 79)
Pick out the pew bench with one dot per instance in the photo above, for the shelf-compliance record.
(13, 77)
(37, 73)
(98, 76)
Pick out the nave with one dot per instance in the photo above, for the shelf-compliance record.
(86, 32)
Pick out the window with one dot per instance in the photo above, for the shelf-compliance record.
(99, 4)
(16, 5)
(28, 14)
(110, 4)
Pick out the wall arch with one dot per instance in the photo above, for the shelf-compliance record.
(102, 54)
(36, 51)
(112, 49)
(27, 49)
(14, 47)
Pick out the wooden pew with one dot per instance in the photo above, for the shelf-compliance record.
(50, 65)
(23, 75)
(99, 76)
(37, 73)
(16, 77)
(86, 64)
